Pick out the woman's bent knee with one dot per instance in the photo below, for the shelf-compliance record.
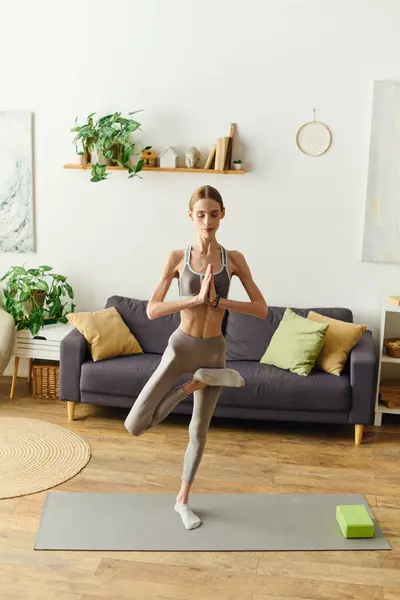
(134, 427)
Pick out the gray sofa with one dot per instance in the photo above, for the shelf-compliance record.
(270, 393)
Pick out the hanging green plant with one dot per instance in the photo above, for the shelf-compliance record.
(86, 137)
(109, 141)
(99, 172)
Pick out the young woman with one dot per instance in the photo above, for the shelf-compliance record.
(204, 272)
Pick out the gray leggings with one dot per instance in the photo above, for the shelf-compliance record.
(184, 354)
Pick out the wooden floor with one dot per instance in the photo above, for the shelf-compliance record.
(239, 458)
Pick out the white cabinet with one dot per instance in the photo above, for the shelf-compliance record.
(388, 368)
(45, 345)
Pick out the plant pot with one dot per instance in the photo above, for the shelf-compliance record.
(117, 153)
(237, 166)
(84, 159)
(97, 157)
(37, 300)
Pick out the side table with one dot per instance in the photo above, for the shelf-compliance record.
(45, 344)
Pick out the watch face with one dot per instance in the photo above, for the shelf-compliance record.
(314, 138)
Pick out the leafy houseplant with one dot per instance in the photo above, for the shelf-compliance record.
(86, 137)
(237, 164)
(111, 136)
(34, 296)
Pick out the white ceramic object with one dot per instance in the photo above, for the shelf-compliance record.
(168, 159)
(237, 166)
(192, 157)
(97, 157)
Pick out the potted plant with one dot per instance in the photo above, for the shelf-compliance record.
(115, 141)
(86, 138)
(237, 164)
(36, 296)
(108, 141)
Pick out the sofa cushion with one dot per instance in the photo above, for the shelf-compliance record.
(121, 376)
(295, 344)
(106, 333)
(152, 335)
(247, 337)
(266, 386)
(339, 340)
(273, 388)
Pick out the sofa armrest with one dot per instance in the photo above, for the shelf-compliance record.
(7, 338)
(363, 378)
(73, 352)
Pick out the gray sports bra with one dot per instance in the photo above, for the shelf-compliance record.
(190, 282)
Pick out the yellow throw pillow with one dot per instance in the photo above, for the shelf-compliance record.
(340, 338)
(106, 333)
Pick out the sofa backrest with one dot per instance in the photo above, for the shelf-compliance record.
(151, 335)
(247, 337)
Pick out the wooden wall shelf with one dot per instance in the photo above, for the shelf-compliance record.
(160, 170)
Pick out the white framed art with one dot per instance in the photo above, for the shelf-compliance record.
(381, 237)
(16, 189)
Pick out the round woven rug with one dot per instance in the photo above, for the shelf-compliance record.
(36, 456)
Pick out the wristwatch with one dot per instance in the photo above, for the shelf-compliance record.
(215, 302)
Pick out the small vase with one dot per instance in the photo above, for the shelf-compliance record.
(97, 157)
(192, 156)
(237, 166)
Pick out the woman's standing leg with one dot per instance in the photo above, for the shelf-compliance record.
(204, 403)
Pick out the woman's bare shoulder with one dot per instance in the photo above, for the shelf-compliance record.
(176, 255)
(173, 262)
(235, 256)
(236, 260)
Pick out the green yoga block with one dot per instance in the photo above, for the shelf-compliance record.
(354, 521)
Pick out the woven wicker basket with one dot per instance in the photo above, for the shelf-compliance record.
(45, 379)
(391, 347)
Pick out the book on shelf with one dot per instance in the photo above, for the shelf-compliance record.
(390, 401)
(225, 145)
(211, 158)
(228, 158)
(394, 300)
(220, 153)
(389, 391)
(390, 386)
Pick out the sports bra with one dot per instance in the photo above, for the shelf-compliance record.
(189, 282)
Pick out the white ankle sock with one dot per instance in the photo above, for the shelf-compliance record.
(220, 377)
(189, 519)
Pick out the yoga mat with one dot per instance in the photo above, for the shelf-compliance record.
(105, 521)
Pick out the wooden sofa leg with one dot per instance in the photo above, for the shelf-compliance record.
(359, 430)
(71, 410)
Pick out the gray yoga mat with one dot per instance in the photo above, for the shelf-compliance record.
(92, 521)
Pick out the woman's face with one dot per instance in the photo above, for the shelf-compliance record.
(206, 216)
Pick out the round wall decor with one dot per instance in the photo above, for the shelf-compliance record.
(314, 138)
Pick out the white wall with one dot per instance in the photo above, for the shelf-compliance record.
(195, 67)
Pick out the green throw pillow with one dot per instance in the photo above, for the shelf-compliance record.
(295, 345)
